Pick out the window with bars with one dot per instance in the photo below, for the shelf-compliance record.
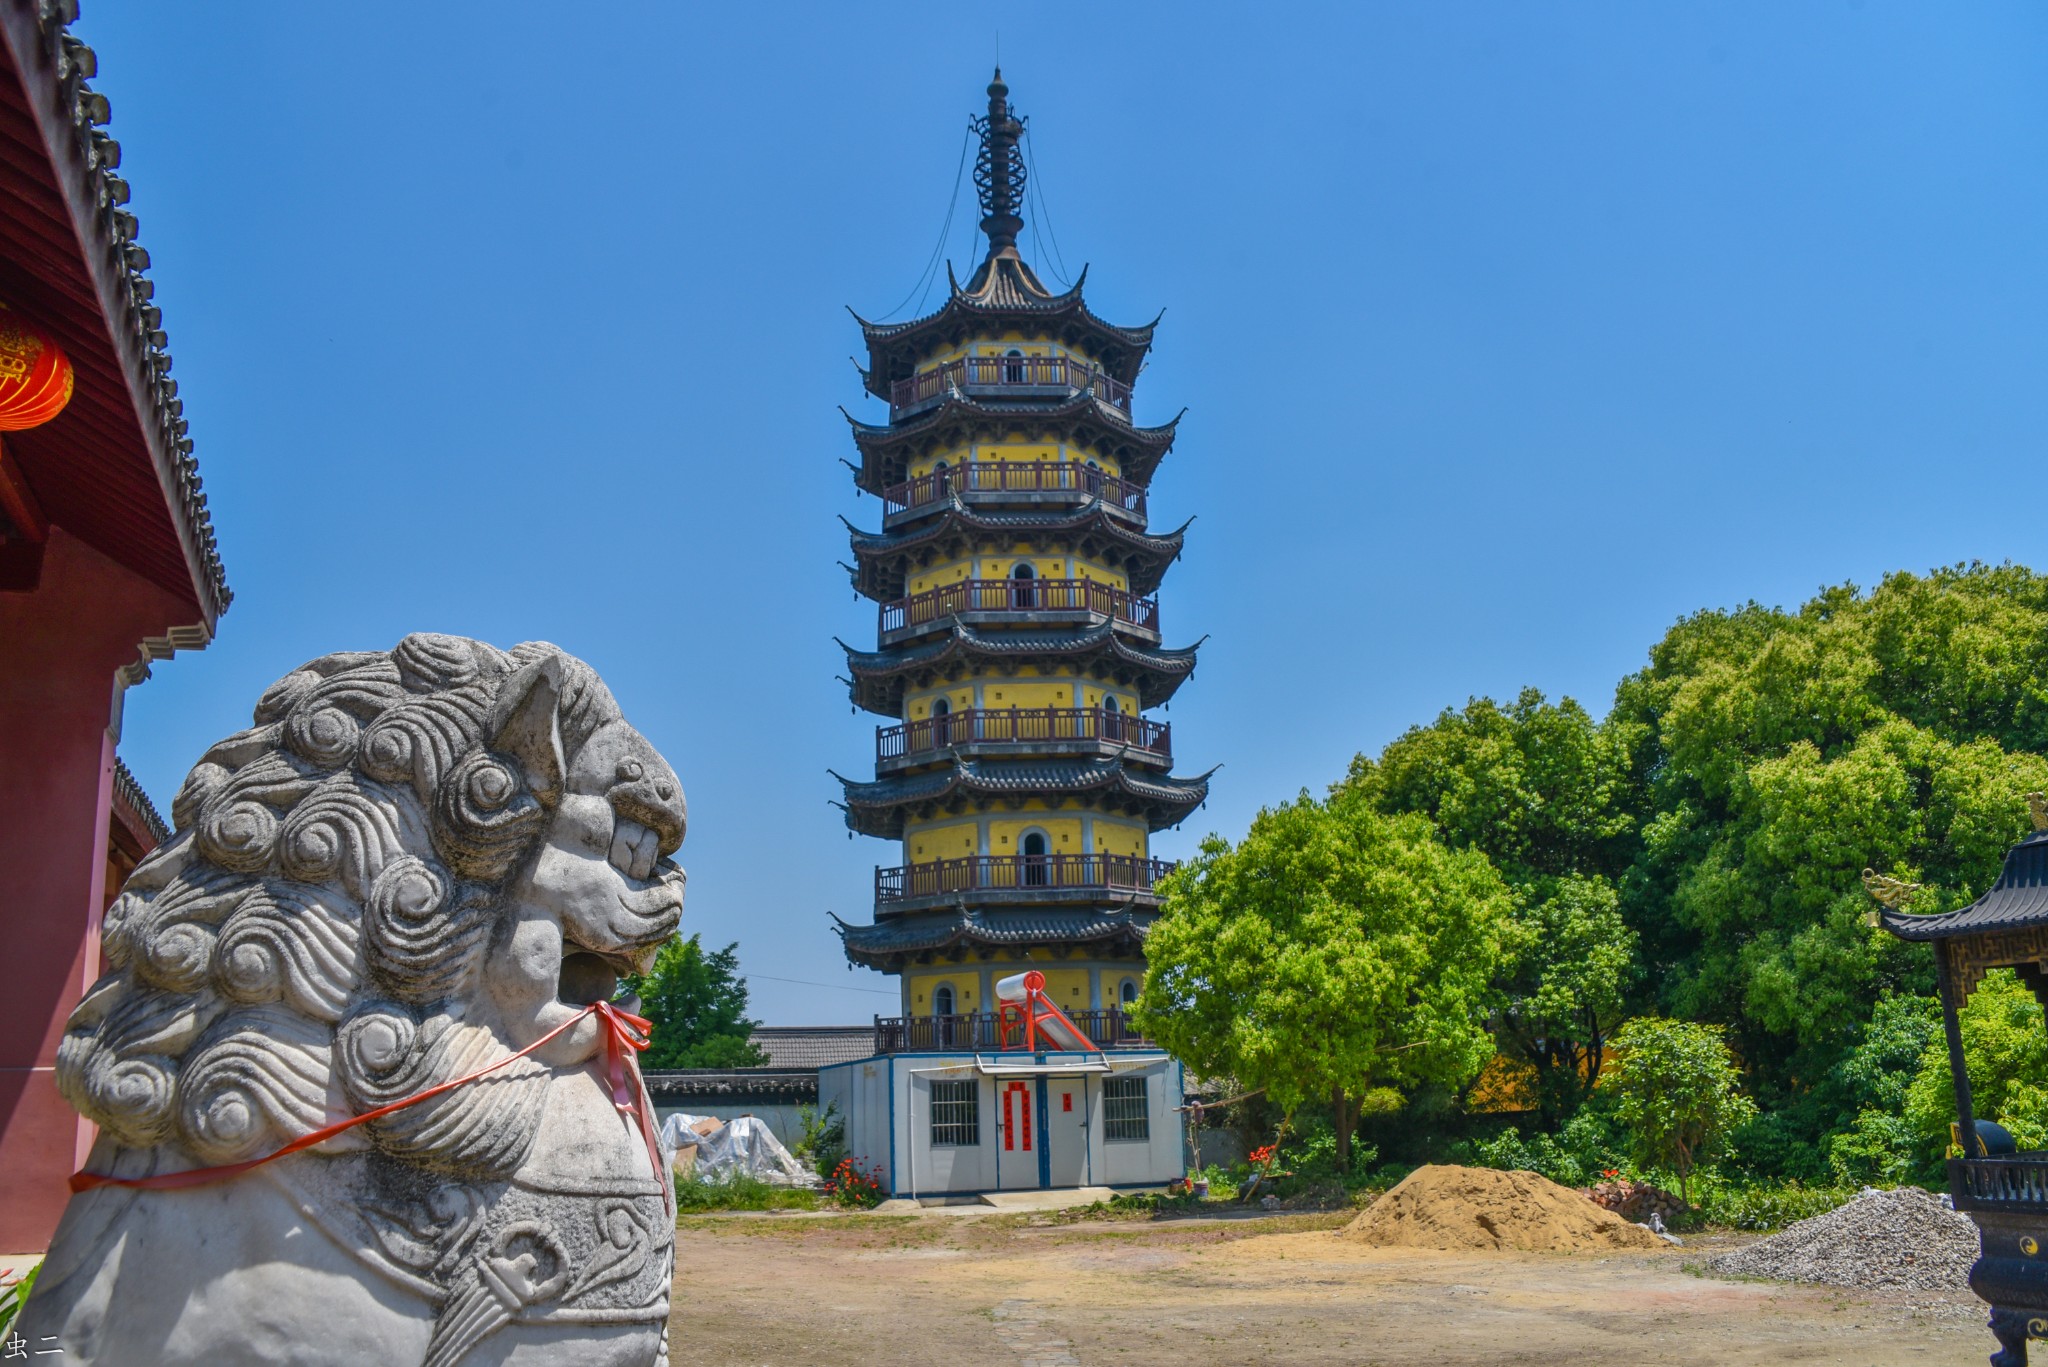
(956, 1114)
(1125, 1114)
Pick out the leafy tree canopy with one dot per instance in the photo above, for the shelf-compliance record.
(1333, 949)
(698, 1003)
(1546, 793)
(1782, 753)
(1677, 1093)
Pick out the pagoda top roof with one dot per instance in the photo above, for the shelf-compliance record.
(1004, 294)
(883, 559)
(881, 676)
(893, 939)
(881, 807)
(887, 448)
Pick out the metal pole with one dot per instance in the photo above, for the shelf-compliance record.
(1958, 1067)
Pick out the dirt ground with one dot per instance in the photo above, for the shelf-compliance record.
(1019, 1289)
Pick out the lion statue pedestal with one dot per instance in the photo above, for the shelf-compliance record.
(414, 866)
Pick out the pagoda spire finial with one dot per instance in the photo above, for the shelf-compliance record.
(999, 169)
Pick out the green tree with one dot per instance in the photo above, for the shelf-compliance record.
(1677, 1093)
(1547, 794)
(1874, 1142)
(698, 1003)
(1333, 952)
(1780, 753)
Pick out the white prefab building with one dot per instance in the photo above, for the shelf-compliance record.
(947, 1124)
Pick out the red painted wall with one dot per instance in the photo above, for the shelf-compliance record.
(59, 649)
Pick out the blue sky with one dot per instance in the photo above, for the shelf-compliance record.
(1509, 334)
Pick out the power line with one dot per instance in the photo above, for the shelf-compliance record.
(805, 982)
(1036, 185)
(931, 265)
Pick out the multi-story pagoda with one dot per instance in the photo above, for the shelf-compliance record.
(1020, 648)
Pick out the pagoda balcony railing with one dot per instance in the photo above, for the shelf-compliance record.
(1106, 1028)
(1022, 726)
(1013, 477)
(1022, 873)
(1020, 596)
(1010, 376)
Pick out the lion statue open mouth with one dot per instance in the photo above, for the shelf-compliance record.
(414, 864)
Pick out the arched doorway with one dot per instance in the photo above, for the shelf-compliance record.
(1036, 851)
(1023, 585)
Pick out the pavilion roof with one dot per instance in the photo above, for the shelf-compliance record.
(115, 468)
(884, 560)
(881, 676)
(882, 806)
(2017, 901)
(891, 940)
(888, 448)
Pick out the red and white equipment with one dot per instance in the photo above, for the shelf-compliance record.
(1021, 1004)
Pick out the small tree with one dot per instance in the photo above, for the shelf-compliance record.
(698, 1003)
(1677, 1092)
(1334, 952)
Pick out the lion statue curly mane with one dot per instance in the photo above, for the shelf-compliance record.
(415, 864)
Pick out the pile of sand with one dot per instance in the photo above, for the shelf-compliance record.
(1483, 1208)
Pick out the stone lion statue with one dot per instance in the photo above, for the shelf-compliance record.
(414, 864)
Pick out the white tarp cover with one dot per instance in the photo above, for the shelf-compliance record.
(742, 1144)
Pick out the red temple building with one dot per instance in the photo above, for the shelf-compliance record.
(107, 562)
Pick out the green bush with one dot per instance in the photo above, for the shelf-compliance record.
(1587, 1147)
(741, 1192)
(1881, 1150)
(1758, 1206)
(823, 1140)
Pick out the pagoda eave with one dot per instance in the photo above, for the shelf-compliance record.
(883, 806)
(887, 449)
(886, 560)
(995, 304)
(895, 943)
(880, 678)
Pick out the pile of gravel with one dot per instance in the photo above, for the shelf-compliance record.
(1904, 1239)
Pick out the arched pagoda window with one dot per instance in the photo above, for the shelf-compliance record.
(1023, 592)
(942, 1000)
(1033, 847)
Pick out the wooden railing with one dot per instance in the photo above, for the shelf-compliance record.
(1022, 725)
(1020, 595)
(1108, 1028)
(2021, 1180)
(1009, 372)
(1019, 873)
(1013, 477)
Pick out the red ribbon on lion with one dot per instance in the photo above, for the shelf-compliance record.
(625, 1036)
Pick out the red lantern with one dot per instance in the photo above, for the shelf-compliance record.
(35, 375)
